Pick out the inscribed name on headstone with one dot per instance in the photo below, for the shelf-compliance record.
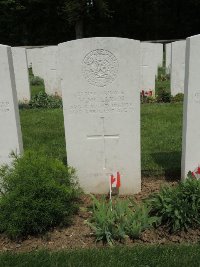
(101, 98)
(10, 130)
(178, 67)
(51, 71)
(21, 74)
(191, 126)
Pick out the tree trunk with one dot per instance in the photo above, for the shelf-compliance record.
(79, 29)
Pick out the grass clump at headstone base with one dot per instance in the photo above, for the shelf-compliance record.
(43, 100)
(140, 256)
(174, 208)
(177, 208)
(119, 219)
(162, 90)
(39, 98)
(37, 193)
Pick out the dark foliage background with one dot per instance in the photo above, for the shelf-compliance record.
(47, 22)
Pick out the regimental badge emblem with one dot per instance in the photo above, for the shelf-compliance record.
(100, 67)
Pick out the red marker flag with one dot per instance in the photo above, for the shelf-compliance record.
(196, 173)
(115, 180)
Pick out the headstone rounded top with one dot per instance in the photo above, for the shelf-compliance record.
(100, 67)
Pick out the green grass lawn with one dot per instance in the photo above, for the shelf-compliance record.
(35, 89)
(139, 256)
(161, 126)
(43, 130)
(161, 132)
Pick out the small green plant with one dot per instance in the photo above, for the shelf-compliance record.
(150, 99)
(118, 220)
(139, 220)
(178, 207)
(35, 80)
(37, 193)
(162, 74)
(42, 100)
(147, 97)
(178, 98)
(163, 96)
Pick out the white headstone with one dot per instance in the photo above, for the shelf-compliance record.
(191, 128)
(21, 74)
(10, 131)
(101, 97)
(151, 59)
(178, 67)
(168, 51)
(51, 71)
(158, 55)
(29, 53)
(38, 62)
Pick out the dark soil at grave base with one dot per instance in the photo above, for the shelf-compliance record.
(79, 235)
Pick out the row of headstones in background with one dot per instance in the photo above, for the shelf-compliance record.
(10, 130)
(151, 58)
(175, 64)
(44, 63)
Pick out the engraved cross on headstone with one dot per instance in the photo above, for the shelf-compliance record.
(103, 137)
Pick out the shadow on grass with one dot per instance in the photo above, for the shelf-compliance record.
(169, 165)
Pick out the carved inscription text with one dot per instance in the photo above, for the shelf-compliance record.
(101, 102)
(4, 106)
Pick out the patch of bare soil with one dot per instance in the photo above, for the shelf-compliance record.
(79, 235)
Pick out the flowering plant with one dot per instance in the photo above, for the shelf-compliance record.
(196, 173)
(146, 93)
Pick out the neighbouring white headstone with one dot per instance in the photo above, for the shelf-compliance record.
(151, 59)
(178, 67)
(100, 88)
(10, 130)
(168, 51)
(51, 71)
(191, 128)
(21, 74)
(38, 67)
(29, 53)
(158, 55)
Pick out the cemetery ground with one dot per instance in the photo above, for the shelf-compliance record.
(161, 128)
(167, 256)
